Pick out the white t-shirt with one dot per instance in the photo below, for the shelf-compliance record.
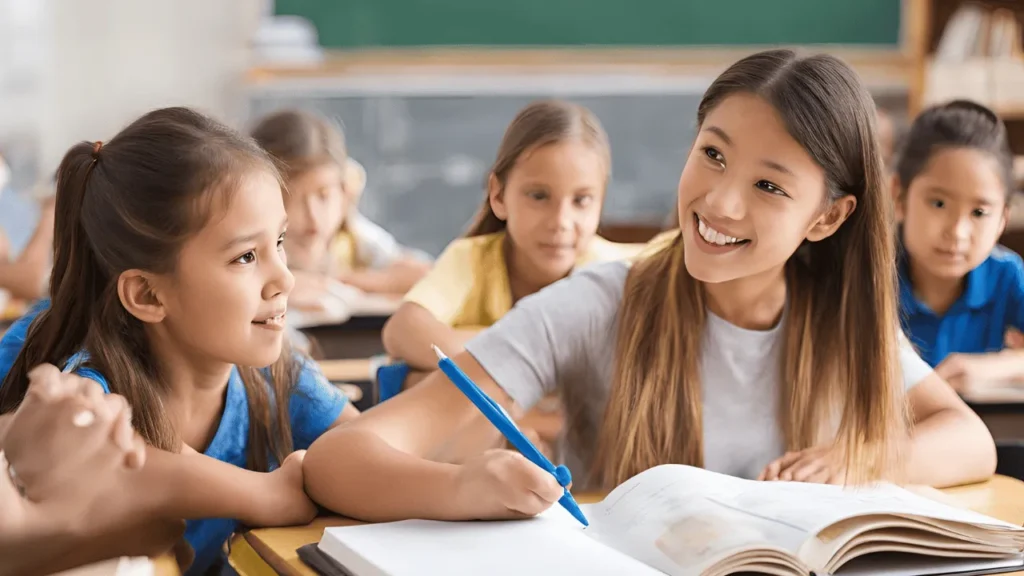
(563, 338)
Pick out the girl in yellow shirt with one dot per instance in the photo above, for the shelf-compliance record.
(537, 223)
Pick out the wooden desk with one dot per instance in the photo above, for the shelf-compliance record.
(1002, 410)
(355, 378)
(352, 370)
(165, 566)
(269, 552)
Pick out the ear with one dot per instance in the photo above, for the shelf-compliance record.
(1007, 212)
(833, 218)
(135, 289)
(496, 196)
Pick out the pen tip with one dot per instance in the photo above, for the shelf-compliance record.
(440, 355)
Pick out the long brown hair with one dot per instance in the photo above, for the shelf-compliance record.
(539, 123)
(131, 204)
(840, 344)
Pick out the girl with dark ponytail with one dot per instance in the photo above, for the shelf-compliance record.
(170, 288)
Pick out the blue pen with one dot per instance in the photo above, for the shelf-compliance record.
(501, 420)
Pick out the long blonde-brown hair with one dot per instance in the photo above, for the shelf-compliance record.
(539, 123)
(839, 375)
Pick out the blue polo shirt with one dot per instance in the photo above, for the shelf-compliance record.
(315, 404)
(992, 302)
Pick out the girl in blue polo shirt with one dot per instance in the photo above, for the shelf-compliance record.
(170, 288)
(960, 292)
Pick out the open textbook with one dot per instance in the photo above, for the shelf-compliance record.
(685, 521)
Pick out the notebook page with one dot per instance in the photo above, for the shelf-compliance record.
(553, 543)
(676, 519)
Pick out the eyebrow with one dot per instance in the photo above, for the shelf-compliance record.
(769, 163)
(249, 238)
(721, 134)
(949, 193)
(777, 166)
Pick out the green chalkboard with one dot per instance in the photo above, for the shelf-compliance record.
(384, 23)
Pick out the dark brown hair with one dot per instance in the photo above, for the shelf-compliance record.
(132, 204)
(957, 124)
(539, 123)
(840, 355)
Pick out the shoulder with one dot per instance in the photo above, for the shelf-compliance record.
(1003, 269)
(602, 250)
(596, 286)
(475, 246)
(19, 330)
(658, 243)
(468, 255)
(1004, 260)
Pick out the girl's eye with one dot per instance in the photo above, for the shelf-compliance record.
(713, 154)
(247, 258)
(937, 204)
(280, 242)
(770, 188)
(980, 212)
(538, 195)
(582, 201)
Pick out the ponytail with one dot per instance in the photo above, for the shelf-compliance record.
(76, 282)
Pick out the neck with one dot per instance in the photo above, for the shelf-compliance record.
(523, 277)
(936, 292)
(195, 390)
(754, 302)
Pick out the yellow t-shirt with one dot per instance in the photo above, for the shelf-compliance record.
(469, 286)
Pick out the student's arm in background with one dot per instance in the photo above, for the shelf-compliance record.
(25, 276)
(412, 329)
(397, 278)
(390, 268)
(425, 316)
(949, 445)
(967, 372)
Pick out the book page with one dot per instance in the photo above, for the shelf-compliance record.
(553, 543)
(683, 520)
(679, 520)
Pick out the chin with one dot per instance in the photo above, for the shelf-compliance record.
(705, 268)
(262, 356)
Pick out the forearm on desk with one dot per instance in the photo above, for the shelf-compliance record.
(949, 448)
(398, 278)
(398, 486)
(1004, 366)
(197, 486)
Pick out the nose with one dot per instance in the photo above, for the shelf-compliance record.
(725, 199)
(280, 279)
(312, 215)
(959, 228)
(563, 216)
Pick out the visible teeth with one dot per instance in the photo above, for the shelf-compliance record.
(714, 236)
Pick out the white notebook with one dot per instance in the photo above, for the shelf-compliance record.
(123, 566)
(686, 521)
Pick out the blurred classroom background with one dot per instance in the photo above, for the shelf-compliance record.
(424, 88)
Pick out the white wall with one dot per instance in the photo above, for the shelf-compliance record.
(112, 60)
